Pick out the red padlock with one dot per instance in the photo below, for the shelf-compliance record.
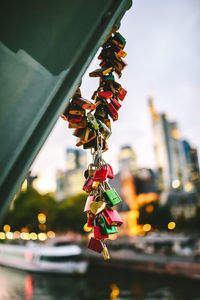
(106, 95)
(81, 124)
(101, 175)
(110, 174)
(90, 220)
(121, 95)
(98, 235)
(74, 118)
(112, 217)
(89, 200)
(95, 245)
(75, 110)
(116, 104)
(84, 103)
(87, 187)
(112, 111)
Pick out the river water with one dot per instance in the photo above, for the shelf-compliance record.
(99, 284)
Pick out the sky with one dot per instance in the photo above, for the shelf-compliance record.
(163, 57)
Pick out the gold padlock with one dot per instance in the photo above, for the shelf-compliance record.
(86, 135)
(91, 169)
(97, 206)
(83, 136)
(105, 252)
(107, 122)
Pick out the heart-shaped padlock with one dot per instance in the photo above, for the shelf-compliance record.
(97, 207)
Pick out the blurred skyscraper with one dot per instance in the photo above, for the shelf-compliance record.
(192, 165)
(174, 157)
(136, 187)
(76, 159)
(70, 183)
(127, 159)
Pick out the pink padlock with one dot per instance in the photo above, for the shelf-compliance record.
(112, 217)
(89, 200)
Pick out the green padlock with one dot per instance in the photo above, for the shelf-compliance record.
(119, 38)
(105, 228)
(108, 77)
(92, 121)
(111, 196)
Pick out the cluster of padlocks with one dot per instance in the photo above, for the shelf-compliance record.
(92, 130)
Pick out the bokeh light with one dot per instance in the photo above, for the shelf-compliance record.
(33, 236)
(6, 228)
(147, 227)
(42, 236)
(2, 235)
(41, 218)
(171, 225)
(51, 234)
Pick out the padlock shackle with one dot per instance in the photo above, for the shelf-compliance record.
(108, 185)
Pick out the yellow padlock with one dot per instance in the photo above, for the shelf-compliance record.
(97, 206)
(105, 252)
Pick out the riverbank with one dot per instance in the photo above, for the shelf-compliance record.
(128, 259)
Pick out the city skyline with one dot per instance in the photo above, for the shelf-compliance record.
(162, 56)
(176, 166)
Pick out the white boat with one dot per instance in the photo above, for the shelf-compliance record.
(62, 259)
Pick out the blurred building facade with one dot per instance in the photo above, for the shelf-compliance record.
(70, 182)
(177, 161)
(136, 187)
(127, 159)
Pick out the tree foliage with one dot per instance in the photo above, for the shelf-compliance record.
(70, 214)
(67, 215)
